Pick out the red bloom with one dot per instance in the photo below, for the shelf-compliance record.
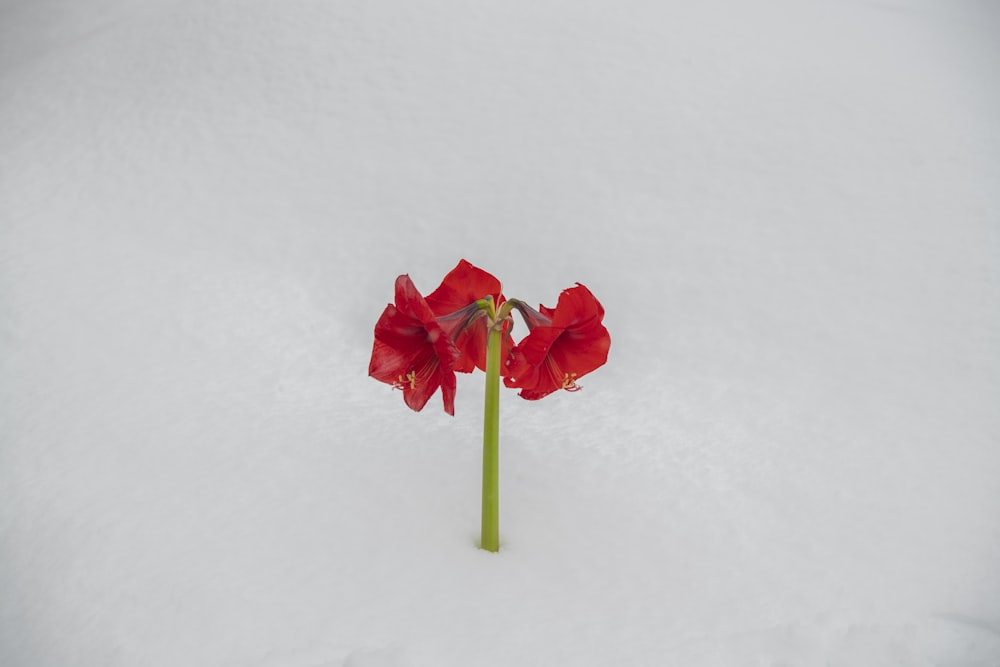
(453, 303)
(412, 352)
(564, 344)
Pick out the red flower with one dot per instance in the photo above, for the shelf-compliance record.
(563, 345)
(454, 304)
(412, 352)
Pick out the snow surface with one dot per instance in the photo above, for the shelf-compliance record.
(789, 210)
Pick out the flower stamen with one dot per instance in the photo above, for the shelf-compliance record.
(569, 382)
(401, 382)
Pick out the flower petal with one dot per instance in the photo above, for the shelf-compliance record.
(577, 306)
(463, 285)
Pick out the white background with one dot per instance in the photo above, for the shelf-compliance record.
(790, 211)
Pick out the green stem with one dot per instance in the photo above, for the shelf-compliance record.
(491, 444)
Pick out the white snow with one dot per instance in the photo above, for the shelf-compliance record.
(788, 209)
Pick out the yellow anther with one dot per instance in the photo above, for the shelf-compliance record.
(569, 382)
(401, 381)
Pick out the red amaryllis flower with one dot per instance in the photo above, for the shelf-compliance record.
(412, 352)
(564, 344)
(454, 304)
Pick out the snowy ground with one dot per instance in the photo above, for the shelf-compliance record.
(790, 211)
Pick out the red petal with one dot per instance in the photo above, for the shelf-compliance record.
(581, 352)
(388, 363)
(410, 301)
(448, 385)
(400, 330)
(463, 285)
(425, 381)
(536, 380)
(576, 306)
(535, 346)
